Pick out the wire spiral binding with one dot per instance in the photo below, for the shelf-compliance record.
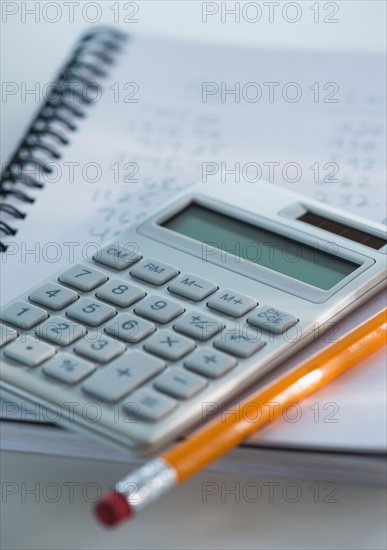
(92, 56)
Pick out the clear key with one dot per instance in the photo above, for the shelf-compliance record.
(272, 319)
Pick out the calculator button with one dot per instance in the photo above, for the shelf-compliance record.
(169, 345)
(67, 368)
(7, 334)
(272, 319)
(117, 256)
(192, 287)
(60, 331)
(23, 315)
(129, 328)
(209, 362)
(199, 326)
(232, 303)
(29, 352)
(149, 405)
(238, 343)
(116, 380)
(179, 383)
(102, 350)
(83, 278)
(91, 312)
(159, 309)
(154, 272)
(120, 293)
(53, 296)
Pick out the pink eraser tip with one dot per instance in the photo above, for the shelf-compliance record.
(113, 508)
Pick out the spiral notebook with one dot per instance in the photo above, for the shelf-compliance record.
(132, 120)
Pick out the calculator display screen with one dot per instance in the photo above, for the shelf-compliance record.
(297, 260)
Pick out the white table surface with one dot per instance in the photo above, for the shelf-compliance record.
(31, 52)
(184, 520)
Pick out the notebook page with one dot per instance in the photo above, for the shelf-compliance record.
(155, 131)
(130, 156)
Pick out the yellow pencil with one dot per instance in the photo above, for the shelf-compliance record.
(214, 439)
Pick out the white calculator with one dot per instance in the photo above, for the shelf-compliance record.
(186, 310)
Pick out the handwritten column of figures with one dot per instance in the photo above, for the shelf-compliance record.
(162, 156)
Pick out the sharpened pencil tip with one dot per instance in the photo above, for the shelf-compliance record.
(112, 509)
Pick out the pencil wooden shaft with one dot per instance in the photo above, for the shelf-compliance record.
(220, 435)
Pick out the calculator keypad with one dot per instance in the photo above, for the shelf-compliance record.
(198, 326)
(232, 303)
(192, 287)
(120, 293)
(122, 376)
(101, 349)
(120, 343)
(83, 278)
(67, 368)
(238, 343)
(209, 362)
(60, 331)
(117, 257)
(159, 309)
(53, 296)
(154, 272)
(23, 315)
(272, 319)
(29, 352)
(129, 328)
(91, 312)
(180, 383)
(148, 404)
(169, 345)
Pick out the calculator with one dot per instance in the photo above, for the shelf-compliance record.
(185, 310)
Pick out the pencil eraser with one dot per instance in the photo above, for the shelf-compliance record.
(113, 508)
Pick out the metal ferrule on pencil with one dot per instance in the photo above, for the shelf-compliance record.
(147, 483)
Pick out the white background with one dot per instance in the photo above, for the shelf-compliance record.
(32, 52)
